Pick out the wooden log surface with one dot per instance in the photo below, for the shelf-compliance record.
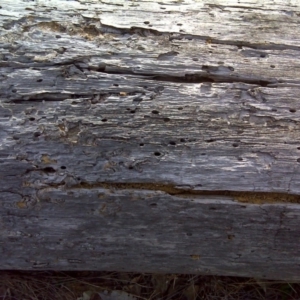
(150, 136)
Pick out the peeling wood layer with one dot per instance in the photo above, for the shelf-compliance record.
(138, 135)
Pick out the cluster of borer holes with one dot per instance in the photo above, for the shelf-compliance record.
(155, 112)
(182, 140)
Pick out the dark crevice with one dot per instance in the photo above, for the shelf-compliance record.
(195, 78)
(173, 190)
(48, 97)
(188, 78)
(133, 30)
(45, 170)
(94, 98)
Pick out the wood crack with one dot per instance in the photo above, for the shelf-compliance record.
(177, 191)
(188, 78)
(181, 36)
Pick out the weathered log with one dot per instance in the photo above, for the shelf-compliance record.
(150, 136)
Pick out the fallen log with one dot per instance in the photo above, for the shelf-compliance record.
(150, 136)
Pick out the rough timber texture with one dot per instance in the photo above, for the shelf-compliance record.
(150, 136)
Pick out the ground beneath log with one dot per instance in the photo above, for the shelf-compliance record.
(133, 286)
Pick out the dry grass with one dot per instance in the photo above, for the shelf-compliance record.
(71, 285)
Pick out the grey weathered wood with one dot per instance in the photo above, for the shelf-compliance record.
(131, 142)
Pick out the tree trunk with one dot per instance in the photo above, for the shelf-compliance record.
(150, 136)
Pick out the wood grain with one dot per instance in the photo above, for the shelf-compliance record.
(136, 136)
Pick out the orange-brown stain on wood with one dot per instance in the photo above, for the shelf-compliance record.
(260, 198)
(102, 210)
(21, 205)
(45, 159)
(244, 197)
(195, 257)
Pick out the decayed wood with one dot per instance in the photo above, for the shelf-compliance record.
(150, 136)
